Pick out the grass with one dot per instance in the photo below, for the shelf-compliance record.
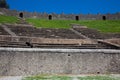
(97, 78)
(53, 77)
(112, 26)
(50, 23)
(8, 19)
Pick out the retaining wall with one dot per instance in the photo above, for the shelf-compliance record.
(32, 61)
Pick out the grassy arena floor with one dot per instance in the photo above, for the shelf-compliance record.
(57, 77)
(112, 26)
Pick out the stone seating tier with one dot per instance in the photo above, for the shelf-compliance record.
(44, 32)
(46, 45)
(2, 31)
(91, 33)
(95, 34)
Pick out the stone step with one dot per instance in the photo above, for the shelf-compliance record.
(50, 45)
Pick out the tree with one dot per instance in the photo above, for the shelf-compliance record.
(3, 4)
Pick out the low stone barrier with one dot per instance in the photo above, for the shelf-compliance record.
(32, 61)
(45, 40)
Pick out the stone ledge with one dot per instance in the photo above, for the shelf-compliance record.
(45, 40)
(60, 50)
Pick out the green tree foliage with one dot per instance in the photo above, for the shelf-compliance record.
(3, 4)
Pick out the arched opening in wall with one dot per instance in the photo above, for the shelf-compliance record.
(104, 17)
(50, 17)
(21, 15)
(76, 18)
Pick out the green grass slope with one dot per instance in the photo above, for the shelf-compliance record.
(112, 26)
(53, 77)
(8, 19)
(107, 26)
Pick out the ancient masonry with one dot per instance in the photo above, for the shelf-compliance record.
(62, 16)
(25, 50)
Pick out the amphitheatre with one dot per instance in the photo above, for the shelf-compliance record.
(28, 50)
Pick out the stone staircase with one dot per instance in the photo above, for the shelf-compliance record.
(23, 29)
(30, 31)
(88, 46)
(50, 45)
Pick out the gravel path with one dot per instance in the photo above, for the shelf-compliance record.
(11, 78)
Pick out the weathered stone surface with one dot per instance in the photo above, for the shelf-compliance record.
(29, 61)
(45, 40)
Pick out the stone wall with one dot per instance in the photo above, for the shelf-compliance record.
(62, 16)
(32, 61)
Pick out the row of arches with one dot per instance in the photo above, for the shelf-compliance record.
(50, 17)
(21, 16)
(77, 18)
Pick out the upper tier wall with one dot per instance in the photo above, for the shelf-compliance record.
(61, 16)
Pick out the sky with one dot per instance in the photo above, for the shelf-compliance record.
(66, 6)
